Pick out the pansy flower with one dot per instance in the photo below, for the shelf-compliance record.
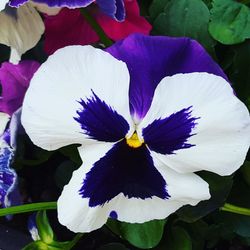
(14, 81)
(112, 8)
(148, 113)
(77, 31)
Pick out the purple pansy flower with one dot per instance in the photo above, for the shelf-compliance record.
(14, 80)
(148, 112)
(112, 8)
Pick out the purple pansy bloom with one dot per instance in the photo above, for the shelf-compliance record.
(14, 80)
(148, 112)
(112, 8)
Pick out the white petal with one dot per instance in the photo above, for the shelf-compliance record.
(222, 134)
(75, 213)
(73, 210)
(21, 33)
(44, 8)
(3, 4)
(71, 74)
(4, 118)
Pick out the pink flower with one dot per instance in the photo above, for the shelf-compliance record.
(15, 80)
(70, 28)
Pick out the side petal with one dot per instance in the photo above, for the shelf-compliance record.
(21, 31)
(76, 212)
(213, 132)
(79, 93)
(151, 58)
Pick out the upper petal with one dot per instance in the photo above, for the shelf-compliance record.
(79, 93)
(213, 135)
(151, 58)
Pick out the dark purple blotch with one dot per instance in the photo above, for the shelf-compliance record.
(100, 122)
(170, 134)
(125, 170)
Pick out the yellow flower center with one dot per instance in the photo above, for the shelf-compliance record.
(134, 141)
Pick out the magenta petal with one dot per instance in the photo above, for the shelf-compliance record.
(15, 80)
(151, 58)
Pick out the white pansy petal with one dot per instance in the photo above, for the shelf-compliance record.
(79, 213)
(21, 30)
(196, 123)
(3, 4)
(79, 93)
(44, 8)
(4, 119)
(73, 210)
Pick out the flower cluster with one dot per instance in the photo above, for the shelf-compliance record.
(147, 113)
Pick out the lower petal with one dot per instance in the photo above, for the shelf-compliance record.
(76, 212)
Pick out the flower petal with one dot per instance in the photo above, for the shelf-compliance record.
(113, 8)
(14, 80)
(56, 3)
(44, 8)
(3, 4)
(76, 212)
(77, 82)
(216, 126)
(22, 31)
(4, 119)
(151, 58)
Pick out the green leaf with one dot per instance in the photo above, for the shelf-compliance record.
(157, 7)
(219, 190)
(179, 239)
(44, 229)
(230, 21)
(185, 18)
(146, 235)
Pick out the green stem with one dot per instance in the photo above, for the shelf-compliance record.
(98, 29)
(235, 209)
(74, 241)
(28, 208)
